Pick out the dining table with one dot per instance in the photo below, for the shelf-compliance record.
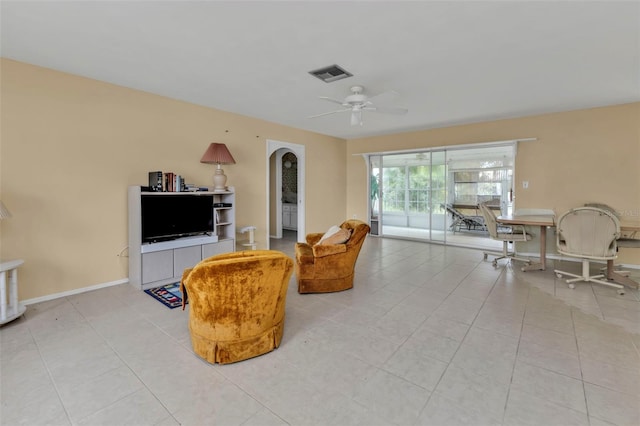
(543, 222)
(631, 230)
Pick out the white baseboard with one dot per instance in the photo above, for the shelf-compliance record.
(72, 292)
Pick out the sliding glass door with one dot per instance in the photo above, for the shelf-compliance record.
(408, 192)
(375, 193)
(438, 196)
(413, 193)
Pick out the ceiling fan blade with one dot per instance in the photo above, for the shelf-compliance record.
(389, 110)
(388, 95)
(330, 112)
(335, 101)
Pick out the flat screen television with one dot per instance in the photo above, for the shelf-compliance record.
(168, 217)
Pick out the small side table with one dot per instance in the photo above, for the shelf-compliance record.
(251, 244)
(10, 309)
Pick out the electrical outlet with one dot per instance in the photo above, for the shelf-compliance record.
(525, 184)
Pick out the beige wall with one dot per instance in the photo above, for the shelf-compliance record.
(580, 156)
(71, 146)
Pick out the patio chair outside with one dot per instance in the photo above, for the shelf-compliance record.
(471, 223)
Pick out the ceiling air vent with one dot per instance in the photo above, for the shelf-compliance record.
(330, 73)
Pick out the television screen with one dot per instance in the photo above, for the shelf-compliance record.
(167, 217)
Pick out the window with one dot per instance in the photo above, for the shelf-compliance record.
(394, 184)
(418, 190)
(472, 187)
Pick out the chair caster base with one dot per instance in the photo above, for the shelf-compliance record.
(595, 279)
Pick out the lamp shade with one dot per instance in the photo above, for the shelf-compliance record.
(217, 153)
(4, 213)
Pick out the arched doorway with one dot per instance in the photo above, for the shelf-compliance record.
(279, 154)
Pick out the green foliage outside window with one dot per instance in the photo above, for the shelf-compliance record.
(407, 189)
(394, 184)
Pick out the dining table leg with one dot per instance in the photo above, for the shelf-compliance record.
(617, 277)
(541, 265)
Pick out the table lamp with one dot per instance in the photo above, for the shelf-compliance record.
(217, 153)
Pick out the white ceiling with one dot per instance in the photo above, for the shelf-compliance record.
(450, 62)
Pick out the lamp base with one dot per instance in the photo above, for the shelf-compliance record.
(219, 181)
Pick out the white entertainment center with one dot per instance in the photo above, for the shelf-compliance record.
(154, 264)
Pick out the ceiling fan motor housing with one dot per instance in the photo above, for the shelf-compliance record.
(355, 100)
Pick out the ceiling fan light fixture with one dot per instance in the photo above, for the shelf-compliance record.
(355, 119)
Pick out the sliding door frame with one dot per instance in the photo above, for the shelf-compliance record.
(430, 151)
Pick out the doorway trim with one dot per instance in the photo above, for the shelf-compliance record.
(299, 150)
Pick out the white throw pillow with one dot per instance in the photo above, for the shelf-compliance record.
(333, 230)
(340, 237)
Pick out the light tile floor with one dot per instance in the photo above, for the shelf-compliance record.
(429, 335)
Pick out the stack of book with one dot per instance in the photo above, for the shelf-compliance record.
(166, 182)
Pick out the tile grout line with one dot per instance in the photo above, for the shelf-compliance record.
(463, 338)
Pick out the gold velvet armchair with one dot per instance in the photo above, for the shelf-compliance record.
(237, 304)
(327, 268)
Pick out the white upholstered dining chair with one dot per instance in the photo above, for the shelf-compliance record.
(512, 234)
(590, 234)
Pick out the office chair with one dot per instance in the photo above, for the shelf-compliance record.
(506, 235)
(588, 233)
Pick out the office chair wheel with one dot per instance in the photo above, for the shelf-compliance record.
(495, 263)
(572, 286)
(485, 256)
(559, 275)
(621, 292)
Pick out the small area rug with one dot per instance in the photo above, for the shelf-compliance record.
(169, 295)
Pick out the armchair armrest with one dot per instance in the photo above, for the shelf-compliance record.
(516, 229)
(519, 231)
(304, 254)
(183, 289)
(322, 251)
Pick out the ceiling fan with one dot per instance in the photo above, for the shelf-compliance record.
(358, 102)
